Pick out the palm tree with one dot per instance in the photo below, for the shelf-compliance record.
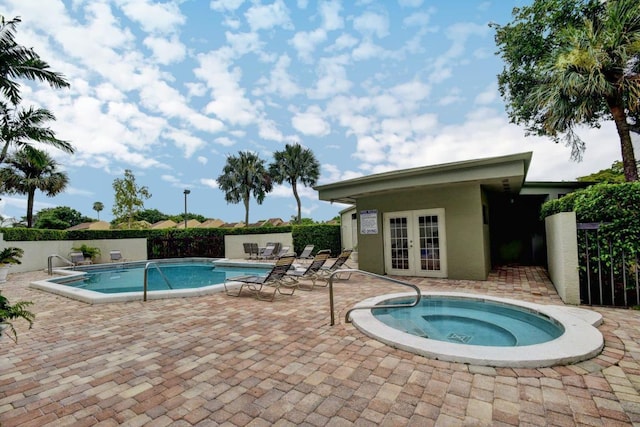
(21, 62)
(571, 63)
(20, 127)
(242, 176)
(292, 165)
(98, 206)
(597, 64)
(29, 170)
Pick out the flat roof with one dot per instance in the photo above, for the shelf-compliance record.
(502, 173)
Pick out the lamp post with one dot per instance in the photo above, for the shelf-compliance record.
(186, 192)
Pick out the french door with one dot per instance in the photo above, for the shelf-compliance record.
(414, 243)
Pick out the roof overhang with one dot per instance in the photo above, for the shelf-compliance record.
(505, 174)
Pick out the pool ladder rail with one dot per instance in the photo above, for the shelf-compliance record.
(146, 275)
(60, 257)
(347, 318)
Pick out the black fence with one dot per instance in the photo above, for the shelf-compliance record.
(196, 246)
(608, 276)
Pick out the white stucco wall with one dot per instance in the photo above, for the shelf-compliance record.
(36, 254)
(562, 255)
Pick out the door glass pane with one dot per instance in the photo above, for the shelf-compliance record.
(429, 243)
(399, 243)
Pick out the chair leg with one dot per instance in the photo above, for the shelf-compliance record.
(229, 292)
(266, 296)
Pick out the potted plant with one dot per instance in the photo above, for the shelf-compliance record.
(10, 312)
(89, 252)
(8, 256)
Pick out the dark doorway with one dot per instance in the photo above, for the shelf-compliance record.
(517, 234)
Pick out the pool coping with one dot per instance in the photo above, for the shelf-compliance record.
(93, 297)
(580, 341)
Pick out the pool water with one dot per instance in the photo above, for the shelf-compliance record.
(165, 277)
(471, 322)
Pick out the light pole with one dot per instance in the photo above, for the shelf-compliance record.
(186, 192)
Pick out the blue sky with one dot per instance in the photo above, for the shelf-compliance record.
(169, 89)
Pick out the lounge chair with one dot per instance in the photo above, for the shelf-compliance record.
(306, 252)
(325, 271)
(268, 251)
(311, 272)
(247, 249)
(116, 256)
(254, 250)
(276, 249)
(283, 251)
(77, 258)
(265, 287)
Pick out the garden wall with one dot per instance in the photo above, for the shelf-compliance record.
(36, 253)
(562, 255)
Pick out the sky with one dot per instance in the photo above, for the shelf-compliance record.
(169, 89)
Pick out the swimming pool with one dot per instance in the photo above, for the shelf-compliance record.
(165, 279)
(578, 340)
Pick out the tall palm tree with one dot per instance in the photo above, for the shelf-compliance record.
(596, 72)
(21, 62)
(20, 127)
(98, 206)
(29, 170)
(571, 63)
(295, 164)
(242, 176)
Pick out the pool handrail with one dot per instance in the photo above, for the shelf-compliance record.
(367, 273)
(50, 262)
(146, 269)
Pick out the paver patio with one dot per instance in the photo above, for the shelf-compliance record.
(219, 360)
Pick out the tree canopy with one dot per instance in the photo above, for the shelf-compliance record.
(612, 175)
(21, 127)
(19, 62)
(29, 170)
(242, 176)
(294, 164)
(98, 207)
(570, 63)
(129, 198)
(58, 218)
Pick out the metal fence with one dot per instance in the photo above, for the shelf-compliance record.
(608, 276)
(198, 246)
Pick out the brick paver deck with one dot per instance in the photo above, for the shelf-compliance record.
(219, 360)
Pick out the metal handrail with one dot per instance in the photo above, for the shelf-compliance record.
(146, 268)
(367, 273)
(50, 262)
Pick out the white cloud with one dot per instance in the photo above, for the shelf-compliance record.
(209, 182)
(243, 43)
(343, 42)
(279, 82)
(224, 141)
(202, 160)
(165, 50)
(264, 17)
(154, 17)
(489, 95)
(332, 78)
(370, 24)
(311, 122)
(305, 43)
(229, 102)
(330, 12)
(225, 5)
